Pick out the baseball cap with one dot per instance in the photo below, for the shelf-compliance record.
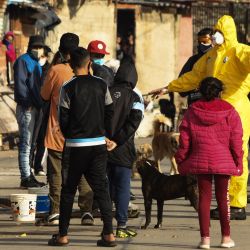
(98, 47)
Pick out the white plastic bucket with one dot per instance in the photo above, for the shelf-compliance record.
(43, 201)
(23, 207)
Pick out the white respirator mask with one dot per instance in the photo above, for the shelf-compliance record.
(218, 38)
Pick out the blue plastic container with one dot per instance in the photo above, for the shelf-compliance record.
(43, 201)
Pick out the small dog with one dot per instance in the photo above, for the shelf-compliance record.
(142, 151)
(162, 187)
(164, 144)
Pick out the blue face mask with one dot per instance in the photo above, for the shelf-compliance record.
(99, 61)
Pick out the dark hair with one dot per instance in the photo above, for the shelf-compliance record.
(47, 50)
(56, 59)
(205, 31)
(210, 88)
(68, 41)
(79, 58)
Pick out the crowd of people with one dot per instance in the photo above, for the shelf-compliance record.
(85, 111)
(80, 111)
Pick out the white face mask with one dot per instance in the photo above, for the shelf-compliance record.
(42, 61)
(218, 38)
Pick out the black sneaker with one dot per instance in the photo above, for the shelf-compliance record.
(31, 182)
(132, 196)
(235, 213)
(42, 184)
(214, 214)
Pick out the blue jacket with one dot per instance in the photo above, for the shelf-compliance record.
(28, 81)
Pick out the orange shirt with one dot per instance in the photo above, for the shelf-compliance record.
(54, 80)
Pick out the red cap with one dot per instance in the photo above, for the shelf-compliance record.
(98, 47)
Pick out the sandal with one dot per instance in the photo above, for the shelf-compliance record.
(104, 243)
(54, 241)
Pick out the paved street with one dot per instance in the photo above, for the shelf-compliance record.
(180, 226)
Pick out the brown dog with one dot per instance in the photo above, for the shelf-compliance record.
(142, 151)
(162, 187)
(164, 144)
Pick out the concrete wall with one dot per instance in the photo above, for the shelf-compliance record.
(92, 21)
(185, 41)
(159, 54)
(155, 49)
(3, 70)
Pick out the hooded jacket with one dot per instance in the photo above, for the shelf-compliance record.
(27, 81)
(210, 139)
(103, 72)
(228, 62)
(10, 52)
(128, 112)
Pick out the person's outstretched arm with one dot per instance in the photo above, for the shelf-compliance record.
(187, 81)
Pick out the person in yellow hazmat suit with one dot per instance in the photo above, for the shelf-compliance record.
(228, 61)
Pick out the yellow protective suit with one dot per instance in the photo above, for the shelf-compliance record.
(229, 62)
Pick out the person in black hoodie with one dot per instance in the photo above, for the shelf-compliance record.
(204, 44)
(128, 113)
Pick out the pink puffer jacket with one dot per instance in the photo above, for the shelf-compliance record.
(210, 139)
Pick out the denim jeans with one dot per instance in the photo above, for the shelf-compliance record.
(26, 119)
(119, 183)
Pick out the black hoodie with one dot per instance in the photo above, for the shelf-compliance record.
(128, 113)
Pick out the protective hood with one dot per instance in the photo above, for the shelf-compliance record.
(226, 26)
(127, 74)
(210, 113)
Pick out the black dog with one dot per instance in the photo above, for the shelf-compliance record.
(167, 108)
(160, 187)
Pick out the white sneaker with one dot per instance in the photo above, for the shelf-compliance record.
(204, 243)
(204, 246)
(52, 220)
(229, 244)
(132, 206)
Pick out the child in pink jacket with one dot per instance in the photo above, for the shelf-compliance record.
(211, 147)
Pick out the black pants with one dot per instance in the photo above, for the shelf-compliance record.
(38, 147)
(91, 162)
